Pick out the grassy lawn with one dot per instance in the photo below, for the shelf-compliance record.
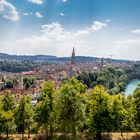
(107, 136)
(123, 136)
(18, 137)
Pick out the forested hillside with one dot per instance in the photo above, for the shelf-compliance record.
(113, 78)
(15, 67)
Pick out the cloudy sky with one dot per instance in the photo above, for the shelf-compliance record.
(95, 27)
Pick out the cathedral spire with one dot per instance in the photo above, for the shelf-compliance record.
(73, 56)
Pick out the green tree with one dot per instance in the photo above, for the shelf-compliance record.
(42, 113)
(101, 80)
(136, 96)
(8, 103)
(71, 107)
(27, 85)
(49, 90)
(47, 94)
(23, 115)
(6, 121)
(1, 124)
(129, 120)
(9, 84)
(99, 111)
(117, 113)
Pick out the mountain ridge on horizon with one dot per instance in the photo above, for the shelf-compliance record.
(52, 58)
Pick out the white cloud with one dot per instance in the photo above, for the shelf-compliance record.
(128, 48)
(37, 14)
(129, 41)
(82, 32)
(97, 25)
(137, 31)
(62, 14)
(8, 11)
(52, 29)
(27, 14)
(107, 20)
(36, 1)
(55, 40)
(64, 0)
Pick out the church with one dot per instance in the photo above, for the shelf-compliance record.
(73, 56)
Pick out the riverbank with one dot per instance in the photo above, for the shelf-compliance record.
(131, 86)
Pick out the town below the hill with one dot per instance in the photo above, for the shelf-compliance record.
(71, 100)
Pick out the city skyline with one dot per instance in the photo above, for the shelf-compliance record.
(99, 28)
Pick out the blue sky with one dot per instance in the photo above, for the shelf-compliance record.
(94, 27)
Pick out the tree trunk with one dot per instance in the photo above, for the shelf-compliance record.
(28, 132)
(22, 136)
(7, 132)
(99, 136)
(93, 136)
(47, 133)
(122, 134)
(73, 131)
(51, 130)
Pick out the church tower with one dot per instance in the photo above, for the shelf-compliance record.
(73, 56)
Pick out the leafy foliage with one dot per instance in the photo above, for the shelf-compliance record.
(23, 115)
(114, 79)
(71, 109)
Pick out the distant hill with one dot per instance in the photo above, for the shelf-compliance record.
(51, 58)
(44, 58)
(19, 63)
(25, 57)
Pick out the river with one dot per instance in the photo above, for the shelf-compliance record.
(131, 86)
